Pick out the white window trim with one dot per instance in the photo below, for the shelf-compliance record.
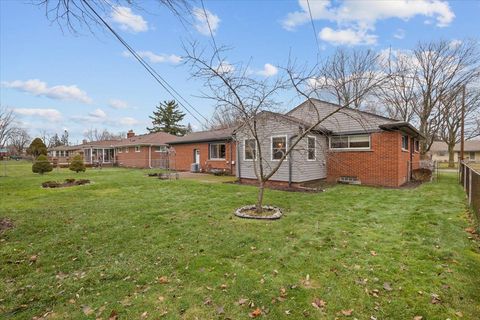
(314, 148)
(139, 149)
(126, 149)
(271, 146)
(156, 149)
(210, 151)
(348, 139)
(256, 149)
(415, 141)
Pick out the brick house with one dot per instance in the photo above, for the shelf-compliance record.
(211, 150)
(143, 151)
(349, 146)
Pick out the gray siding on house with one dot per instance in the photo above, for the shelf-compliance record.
(346, 120)
(302, 170)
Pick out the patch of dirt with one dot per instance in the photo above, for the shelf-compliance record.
(5, 224)
(65, 184)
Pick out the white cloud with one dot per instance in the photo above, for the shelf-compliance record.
(127, 20)
(47, 114)
(361, 16)
(349, 37)
(202, 24)
(155, 58)
(269, 70)
(399, 34)
(128, 121)
(40, 88)
(225, 67)
(98, 113)
(117, 104)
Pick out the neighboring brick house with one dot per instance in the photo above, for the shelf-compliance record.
(143, 151)
(62, 155)
(349, 146)
(211, 150)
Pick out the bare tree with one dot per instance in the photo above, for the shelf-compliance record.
(399, 93)
(451, 110)
(19, 140)
(7, 122)
(224, 117)
(233, 88)
(348, 76)
(77, 14)
(442, 66)
(102, 135)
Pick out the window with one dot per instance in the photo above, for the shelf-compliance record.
(137, 148)
(217, 151)
(472, 156)
(404, 142)
(417, 145)
(119, 150)
(279, 147)
(249, 149)
(161, 149)
(350, 142)
(311, 144)
(126, 149)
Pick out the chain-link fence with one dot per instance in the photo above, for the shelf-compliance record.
(469, 177)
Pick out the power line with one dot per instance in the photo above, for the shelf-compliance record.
(149, 69)
(313, 26)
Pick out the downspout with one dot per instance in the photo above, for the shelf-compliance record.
(231, 156)
(150, 157)
(239, 176)
(290, 158)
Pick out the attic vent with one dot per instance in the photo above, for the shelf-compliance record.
(349, 180)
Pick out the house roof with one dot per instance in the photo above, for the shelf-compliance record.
(64, 148)
(343, 120)
(99, 144)
(150, 139)
(204, 136)
(470, 146)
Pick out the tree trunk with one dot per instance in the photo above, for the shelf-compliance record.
(451, 156)
(259, 204)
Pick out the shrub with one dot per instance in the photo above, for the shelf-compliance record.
(77, 164)
(42, 165)
(422, 174)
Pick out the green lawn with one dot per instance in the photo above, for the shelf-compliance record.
(146, 248)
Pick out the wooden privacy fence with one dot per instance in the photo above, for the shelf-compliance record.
(470, 180)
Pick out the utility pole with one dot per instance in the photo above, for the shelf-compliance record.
(462, 129)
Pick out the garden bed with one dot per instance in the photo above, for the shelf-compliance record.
(268, 213)
(65, 184)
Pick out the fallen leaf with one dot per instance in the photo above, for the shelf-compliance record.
(255, 313)
(161, 298)
(471, 230)
(318, 303)
(347, 313)
(87, 310)
(387, 286)
(435, 299)
(207, 302)
(373, 253)
(163, 280)
(242, 301)
(417, 318)
(223, 286)
(459, 314)
(288, 312)
(33, 258)
(144, 315)
(220, 310)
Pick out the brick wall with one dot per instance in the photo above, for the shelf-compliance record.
(138, 159)
(184, 157)
(377, 166)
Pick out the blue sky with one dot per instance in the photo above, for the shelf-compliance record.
(57, 80)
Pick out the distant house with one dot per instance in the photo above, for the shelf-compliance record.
(62, 155)
(211, 150)
(439, 151)
(143, 151)
(350, 146)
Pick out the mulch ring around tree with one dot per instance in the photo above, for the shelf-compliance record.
(268, 213)
(65, 184)
(5, 224)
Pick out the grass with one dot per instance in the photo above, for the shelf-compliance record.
(154, 249)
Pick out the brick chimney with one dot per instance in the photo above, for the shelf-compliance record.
(130, 134)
